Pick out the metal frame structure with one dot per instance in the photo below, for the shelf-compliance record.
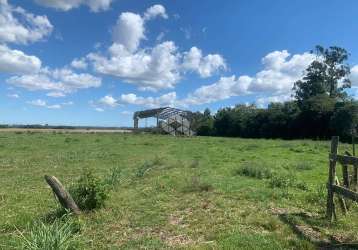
(165, 116)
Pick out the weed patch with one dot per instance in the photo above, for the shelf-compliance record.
(254, 170)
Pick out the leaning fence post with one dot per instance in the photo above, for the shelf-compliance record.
(332, 177)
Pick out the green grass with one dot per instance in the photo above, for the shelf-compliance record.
(173, 193)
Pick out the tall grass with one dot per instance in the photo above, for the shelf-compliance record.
(59, 235)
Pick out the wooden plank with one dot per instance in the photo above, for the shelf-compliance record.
(345, 159)
(342, 202)
(345, 175)
(62, 195)
(331, 179)
(345, 192)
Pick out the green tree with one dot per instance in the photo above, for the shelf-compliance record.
(326, 75)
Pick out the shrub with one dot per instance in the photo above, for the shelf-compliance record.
(59, 235)
(282, 180)
(89, 192)
(254, 170)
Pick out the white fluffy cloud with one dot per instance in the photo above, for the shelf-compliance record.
(154, 11)
(168, 99)
(159, 67)
(109, 101)
(280, 71)
(223, 89)
(59, 81)
(65, 5)
(129, 31)
(19, 26)
(205, 66)
(79, 63)
(16, 61)
(149, 69)
(276, 79)
(130, 27)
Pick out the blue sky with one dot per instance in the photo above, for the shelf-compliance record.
(78, 62)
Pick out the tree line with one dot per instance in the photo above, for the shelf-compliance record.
(320, 107)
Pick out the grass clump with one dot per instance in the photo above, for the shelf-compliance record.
(305, 165)
(254, 170)
(148, 165)
(195, 184)
(59, 235)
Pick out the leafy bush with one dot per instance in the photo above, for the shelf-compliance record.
(60, 235)
(254, 170)
(89, 192)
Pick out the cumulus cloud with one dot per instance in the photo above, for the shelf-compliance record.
(16, 61)
(154, 11)
(168, 99)
(155, 68)
(280, 71)
(21, 27)
(276, 79)
(65, 5)
(223, 89)
(59, 81)
(149, 69)
(129, 30)
(130, 27)
(79, 63)
(205, 66)
(108, 100)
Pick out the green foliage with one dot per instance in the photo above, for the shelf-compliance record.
(324, 75)
(60, 235)
(89, 192)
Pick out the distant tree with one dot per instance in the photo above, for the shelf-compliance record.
(327, 75)
(345, 119)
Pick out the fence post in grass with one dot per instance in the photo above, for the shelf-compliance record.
(332, 178)
(62, 195)
(355, 168)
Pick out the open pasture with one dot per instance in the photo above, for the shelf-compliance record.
(176, 193)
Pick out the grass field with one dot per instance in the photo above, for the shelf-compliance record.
(175, 193)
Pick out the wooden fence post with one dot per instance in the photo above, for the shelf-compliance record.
(355, 168)
(332, 178)
(62, 195)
